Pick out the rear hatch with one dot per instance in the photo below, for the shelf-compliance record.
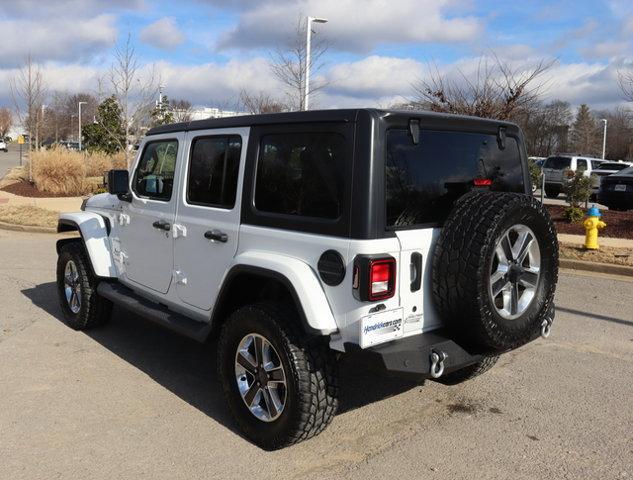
(422, 184)
(554, 168)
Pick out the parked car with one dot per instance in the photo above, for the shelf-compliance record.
(558, 169)
(295, 238)
(616, 190)
(3, 146)
(606, 168)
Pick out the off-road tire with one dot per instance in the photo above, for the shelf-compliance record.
(310, 366)
(471, 371)
(552, 192)
(95, 310)
(462, 265)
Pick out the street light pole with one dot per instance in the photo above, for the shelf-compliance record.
(604, 138)
(80, 104)
(306, 96)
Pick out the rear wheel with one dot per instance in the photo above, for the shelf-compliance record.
(82, 307)
(280, 386)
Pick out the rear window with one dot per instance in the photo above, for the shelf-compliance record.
(423, 181)
(613, 166)
(558, 163)
(301, 174)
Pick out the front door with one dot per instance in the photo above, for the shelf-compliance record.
(208, 215)
(147, 221)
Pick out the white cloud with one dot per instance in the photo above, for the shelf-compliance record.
(354, 26)
(59, 38)
(163, 34)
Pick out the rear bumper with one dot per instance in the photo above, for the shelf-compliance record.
(411, 356)
(615, 198)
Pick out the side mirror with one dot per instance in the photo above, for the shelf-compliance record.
(119, 183)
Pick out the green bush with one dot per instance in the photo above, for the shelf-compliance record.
(574, 214)
(535, 173)
(577, 189)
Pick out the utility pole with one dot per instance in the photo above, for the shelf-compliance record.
(306, 96)
(604, 139)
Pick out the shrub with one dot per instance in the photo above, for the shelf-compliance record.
(535, 173)
(577, 189)
(59, 171)
(97, 164)
(574, 214)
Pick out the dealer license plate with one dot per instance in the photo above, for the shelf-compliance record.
(620, 188)
(380, 327)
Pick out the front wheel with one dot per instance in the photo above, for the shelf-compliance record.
(82, 307)
(280, 386)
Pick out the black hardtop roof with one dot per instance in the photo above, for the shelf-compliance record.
(336, 115)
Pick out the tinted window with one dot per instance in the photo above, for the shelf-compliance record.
(558, 163)
(301, 174)
(213, 170)
(596, 163)
(423, 181)
(154, 176)
(613, 166)
(581, 164)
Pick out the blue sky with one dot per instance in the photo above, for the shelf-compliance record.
(208, 50)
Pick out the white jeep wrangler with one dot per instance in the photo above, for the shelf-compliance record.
(298, 237)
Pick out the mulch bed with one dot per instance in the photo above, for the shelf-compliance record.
(27, 189)
(619, 224)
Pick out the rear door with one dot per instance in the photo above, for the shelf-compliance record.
(208, 216)
(554, 167)
(423, 182)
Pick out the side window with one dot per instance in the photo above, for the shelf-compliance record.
(213, 170)
(301, 174)
(154, 176)
(581, 164)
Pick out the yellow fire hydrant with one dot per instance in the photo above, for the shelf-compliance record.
(592, 224)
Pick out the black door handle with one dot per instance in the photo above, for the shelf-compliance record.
(161, 225)
(216, 235)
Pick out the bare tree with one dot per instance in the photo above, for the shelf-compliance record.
(495, 90)
(28, 92)
(289, 65)
(182, 110)
(134, 94)
(260, 102)
(6, 120)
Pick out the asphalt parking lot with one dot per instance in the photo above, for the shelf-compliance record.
(131, 400)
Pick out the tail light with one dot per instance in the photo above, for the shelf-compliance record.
(374, 277)
(482, 182)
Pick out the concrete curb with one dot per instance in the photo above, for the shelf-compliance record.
(596, 267)
(26, 228)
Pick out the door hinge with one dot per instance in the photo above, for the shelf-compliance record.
(179, 230)
(179, 277)
(124, 219)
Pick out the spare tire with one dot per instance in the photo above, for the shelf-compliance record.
(495, 270)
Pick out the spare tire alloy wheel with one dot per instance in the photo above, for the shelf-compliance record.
(515, 271)
(260, 376)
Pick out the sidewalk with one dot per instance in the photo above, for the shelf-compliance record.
(55, 204)
(603, 241)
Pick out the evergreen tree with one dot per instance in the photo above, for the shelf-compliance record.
(585, 137)
(163, 113)
(107, 133)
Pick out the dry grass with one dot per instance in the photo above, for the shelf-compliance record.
(28, 215)
(617, 256)
(14, 175)
(67, 172)
(59, 171)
